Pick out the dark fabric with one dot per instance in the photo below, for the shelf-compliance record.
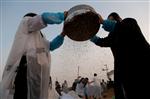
(21, 80)
(74, 86)
(30, 14)
(131, 59)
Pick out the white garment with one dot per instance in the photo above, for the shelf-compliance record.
(89, 90)
(69, 95)
(96, 81)
(97, 90)
(73, 94)
(28, 41)
(66, 96)
(80, 89)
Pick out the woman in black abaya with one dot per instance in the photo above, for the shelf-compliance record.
(131, 57)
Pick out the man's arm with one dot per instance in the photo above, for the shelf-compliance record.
(39, 22)
(102, 42)
(56, 42)
(109, 26)
(53, 18)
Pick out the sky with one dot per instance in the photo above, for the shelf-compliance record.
(65, 61)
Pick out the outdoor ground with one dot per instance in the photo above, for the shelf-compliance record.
(109, 94)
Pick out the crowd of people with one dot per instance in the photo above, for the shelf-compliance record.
(84, 88)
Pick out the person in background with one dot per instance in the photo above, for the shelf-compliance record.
(97, 87)
(65, 87)
(75, 83)
(50, 82)
(110, 83)
(131, 56)
(104, 86)
(26, 74)
(58, 88)
(89, 92)
(80, 88)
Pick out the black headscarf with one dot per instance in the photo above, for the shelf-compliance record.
(115, 16)
(30, 14)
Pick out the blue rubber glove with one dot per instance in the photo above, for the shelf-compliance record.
(94, 39)
(109, 25)
(53, 18)
(56, 42)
